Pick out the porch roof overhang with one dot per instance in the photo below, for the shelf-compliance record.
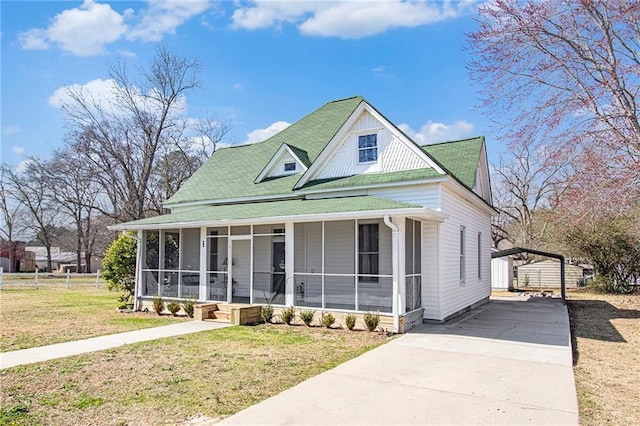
(299, 210)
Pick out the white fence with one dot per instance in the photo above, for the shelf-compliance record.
(37, 279)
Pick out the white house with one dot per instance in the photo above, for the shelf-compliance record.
(339, 212)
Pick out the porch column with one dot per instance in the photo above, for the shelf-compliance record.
(289, 260)
(138, 275)
(395, 245)
(203, 264)
(402, 262)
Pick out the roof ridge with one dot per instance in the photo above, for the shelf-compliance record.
(453, 141)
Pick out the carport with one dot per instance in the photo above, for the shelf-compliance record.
(518, 250)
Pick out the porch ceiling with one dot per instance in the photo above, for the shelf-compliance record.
(280, 211)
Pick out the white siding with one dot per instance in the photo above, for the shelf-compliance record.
(456, 295)
(430, 272)
(393, 154)
(426, 195)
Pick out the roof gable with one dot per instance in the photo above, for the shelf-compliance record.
(283, 156)
(395, 151)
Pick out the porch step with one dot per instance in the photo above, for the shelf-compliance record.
(222, 315)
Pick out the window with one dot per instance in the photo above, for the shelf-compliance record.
(368, 252)
(463, 266)
(290, 167)
(368, 148)
(480, 255)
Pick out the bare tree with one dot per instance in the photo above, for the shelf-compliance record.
(12, 212)
(528, 180)
(32, 188)
(74, 188)
(565, 74)
(124, 137)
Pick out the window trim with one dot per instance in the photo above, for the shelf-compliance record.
(479, 255)
(463, 255)
(368, 276)
(370, 148)
(286, 163)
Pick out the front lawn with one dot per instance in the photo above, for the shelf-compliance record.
(606, 343)
(210, 375)
(54, 313)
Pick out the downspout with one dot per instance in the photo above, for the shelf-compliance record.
(395, 249)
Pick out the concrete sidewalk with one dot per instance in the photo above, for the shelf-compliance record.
(60, 350)
(507, 362)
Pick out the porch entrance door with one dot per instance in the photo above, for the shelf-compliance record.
(240, 270)
(278, 275)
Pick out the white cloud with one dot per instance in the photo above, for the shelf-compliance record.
(432, 132)
(345, 19)
(260, 135)
(18, 150)
(238, 86)
(82, 31)
(103, 95)
(10, 130)
(88, 29)
(163, 17)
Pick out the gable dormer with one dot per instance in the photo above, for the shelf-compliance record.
(286, 161)
(482, 184)
(367, 143)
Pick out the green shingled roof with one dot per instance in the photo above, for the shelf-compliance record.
(371, 179)
(272, 209)
(231, 172)
(459, 158)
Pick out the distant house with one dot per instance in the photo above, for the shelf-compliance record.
(339, 212)
(8, 262)
(546, 273)
(61, 261)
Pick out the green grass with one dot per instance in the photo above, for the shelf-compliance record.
(167, 381)
(53, 314)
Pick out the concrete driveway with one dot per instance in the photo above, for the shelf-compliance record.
(506, 362)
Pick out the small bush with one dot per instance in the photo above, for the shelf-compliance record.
(307, 317)
(187, 307)
(266, 313)
(288, 314)
(173, 307)
(158, 304)
(371, 320)
(328, 319)
(350, 321)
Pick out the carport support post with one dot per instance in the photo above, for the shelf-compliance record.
(563, 290)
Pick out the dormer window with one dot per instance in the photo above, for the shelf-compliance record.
(368, 148)
(290, 167)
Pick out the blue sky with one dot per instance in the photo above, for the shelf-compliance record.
(265, 64)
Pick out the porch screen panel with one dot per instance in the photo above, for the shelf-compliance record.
(339, 247)
(308, 264)
(268, 269)
(151, 263)
(339, 292)
(376, 296)
(308, 247)
(413, 264)
(217, 264)
(170, 276)
(339, 265)
(190, 264)
(308, 290)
